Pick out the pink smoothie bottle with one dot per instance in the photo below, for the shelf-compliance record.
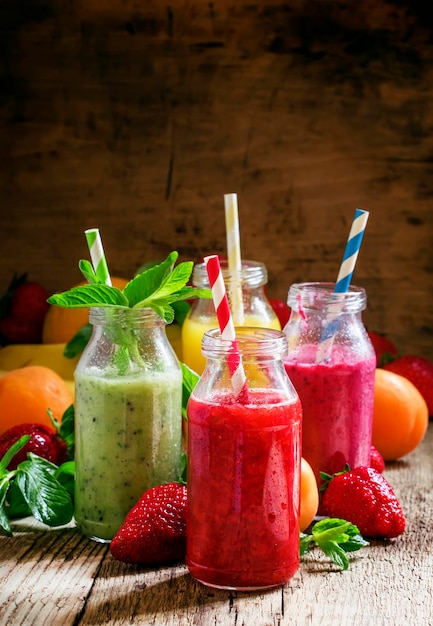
(244, 466)
(331, 363)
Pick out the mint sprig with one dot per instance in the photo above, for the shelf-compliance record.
(35, 488)
(335, 537)
(48, 500)
(157, 288)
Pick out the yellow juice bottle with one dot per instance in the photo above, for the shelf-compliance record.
(248, 303)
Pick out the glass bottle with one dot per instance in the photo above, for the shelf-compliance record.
(244, 466)
(331, 363)
(128, 421)
(248, 303)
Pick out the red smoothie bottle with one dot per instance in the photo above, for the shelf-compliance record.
(333, 373)
(244, 466)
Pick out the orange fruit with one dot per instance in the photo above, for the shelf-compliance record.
(400, 415)
(309, 496)
(27, 392)
(61, 324)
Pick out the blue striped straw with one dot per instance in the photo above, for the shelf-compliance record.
(351, 252)
(343, 280)
(97, 255)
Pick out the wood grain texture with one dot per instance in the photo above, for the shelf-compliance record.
(138, 117)
(60, 578)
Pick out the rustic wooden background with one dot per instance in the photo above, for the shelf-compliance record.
(136, 117)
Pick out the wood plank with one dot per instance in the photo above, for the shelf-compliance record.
(46, 576)
(60, 577)
(367, 593)
(137, 118)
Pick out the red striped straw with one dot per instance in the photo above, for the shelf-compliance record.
(226, 324)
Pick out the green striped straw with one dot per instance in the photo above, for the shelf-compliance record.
(97, 255)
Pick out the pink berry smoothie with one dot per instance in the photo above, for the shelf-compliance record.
(337, 403)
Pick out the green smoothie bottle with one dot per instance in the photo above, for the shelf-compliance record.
(128, 417)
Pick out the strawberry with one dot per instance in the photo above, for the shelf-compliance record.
(365, 498)
(281, 310)
(419, 370)
(376, 460)
(383, 347)
(22, 311)
(44, 442)
(154, 531)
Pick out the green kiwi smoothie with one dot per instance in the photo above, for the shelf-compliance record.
(128, 433)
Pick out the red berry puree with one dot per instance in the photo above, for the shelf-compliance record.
(243, 491)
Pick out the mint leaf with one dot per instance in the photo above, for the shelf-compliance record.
(172, 283)
(164, 310)
(65, 474)
(47, 499)
(122, 358)
(86, 269)
(66, 430)
(146, 283)
(181, 310)
(89, 296)
(16, 505)
(334, 537)
(158, 288)
(78, 342)
(5, 526)
(336, 554)
(189, 381)
(11, 452)
(183, 467)
(186, 293)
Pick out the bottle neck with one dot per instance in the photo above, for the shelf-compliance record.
(251, 343)
(253, 274)
(310, 298)
(133, 318)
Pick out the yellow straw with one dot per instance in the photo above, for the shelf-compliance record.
(234, 257)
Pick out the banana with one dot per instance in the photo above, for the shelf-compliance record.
(51, 355)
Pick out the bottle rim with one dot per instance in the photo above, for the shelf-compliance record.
(316, 296)
(250, 342)
(252, 274)
(99, 316)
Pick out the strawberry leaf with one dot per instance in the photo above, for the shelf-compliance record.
(326, 478)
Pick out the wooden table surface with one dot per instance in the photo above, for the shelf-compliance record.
(57, 577)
